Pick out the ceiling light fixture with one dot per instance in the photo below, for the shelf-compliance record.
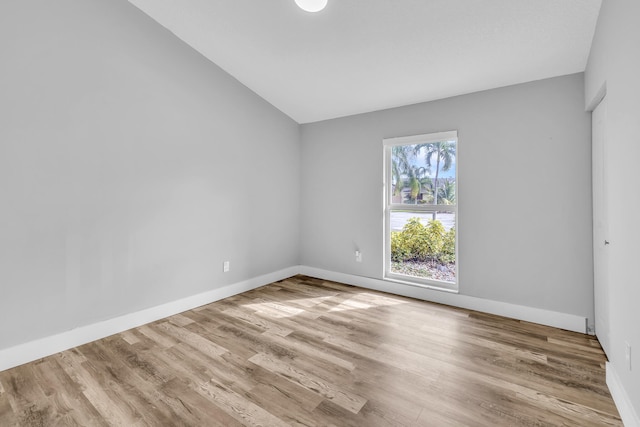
(311, 5)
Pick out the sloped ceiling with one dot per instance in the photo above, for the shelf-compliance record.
(358, 56)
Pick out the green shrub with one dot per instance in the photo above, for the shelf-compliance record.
(448, 253)
(399, 251)
(434, 238)
(417, 242)
(414, 236)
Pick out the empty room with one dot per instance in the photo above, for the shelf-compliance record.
(319, 213)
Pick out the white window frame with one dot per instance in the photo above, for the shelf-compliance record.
(389, 206)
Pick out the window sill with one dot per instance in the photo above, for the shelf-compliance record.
(433, 285)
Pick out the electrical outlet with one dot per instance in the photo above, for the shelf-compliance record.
(358, 256)
(627, 354)
(225, 267)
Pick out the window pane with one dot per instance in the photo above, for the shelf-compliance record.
(400, 218)
(424, 173)
(424, 245)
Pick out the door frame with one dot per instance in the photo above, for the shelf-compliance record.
(601, 239)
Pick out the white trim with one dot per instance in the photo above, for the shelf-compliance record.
(555, 319)
(389, 207)
(30, 351)
(423, 138)
(420, 282)
(622, 400)
(598, 97)
(422, 208)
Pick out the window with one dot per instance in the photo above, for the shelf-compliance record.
(421, 209)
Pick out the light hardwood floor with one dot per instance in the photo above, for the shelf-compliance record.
(309, 352)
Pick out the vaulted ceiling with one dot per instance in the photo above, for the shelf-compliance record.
(357, 56)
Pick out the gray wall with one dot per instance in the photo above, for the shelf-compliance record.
(130, 168)
(524, 191)
(614, 60)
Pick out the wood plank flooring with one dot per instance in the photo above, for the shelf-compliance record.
(307, 352)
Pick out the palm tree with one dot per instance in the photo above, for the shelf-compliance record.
(444, 152)
(402, 167)
(427, 188)
(400, 163)
(447, 194)
(415, 178)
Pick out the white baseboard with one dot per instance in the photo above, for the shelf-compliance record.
(569, 322)
(625, 407)
(30, 351)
